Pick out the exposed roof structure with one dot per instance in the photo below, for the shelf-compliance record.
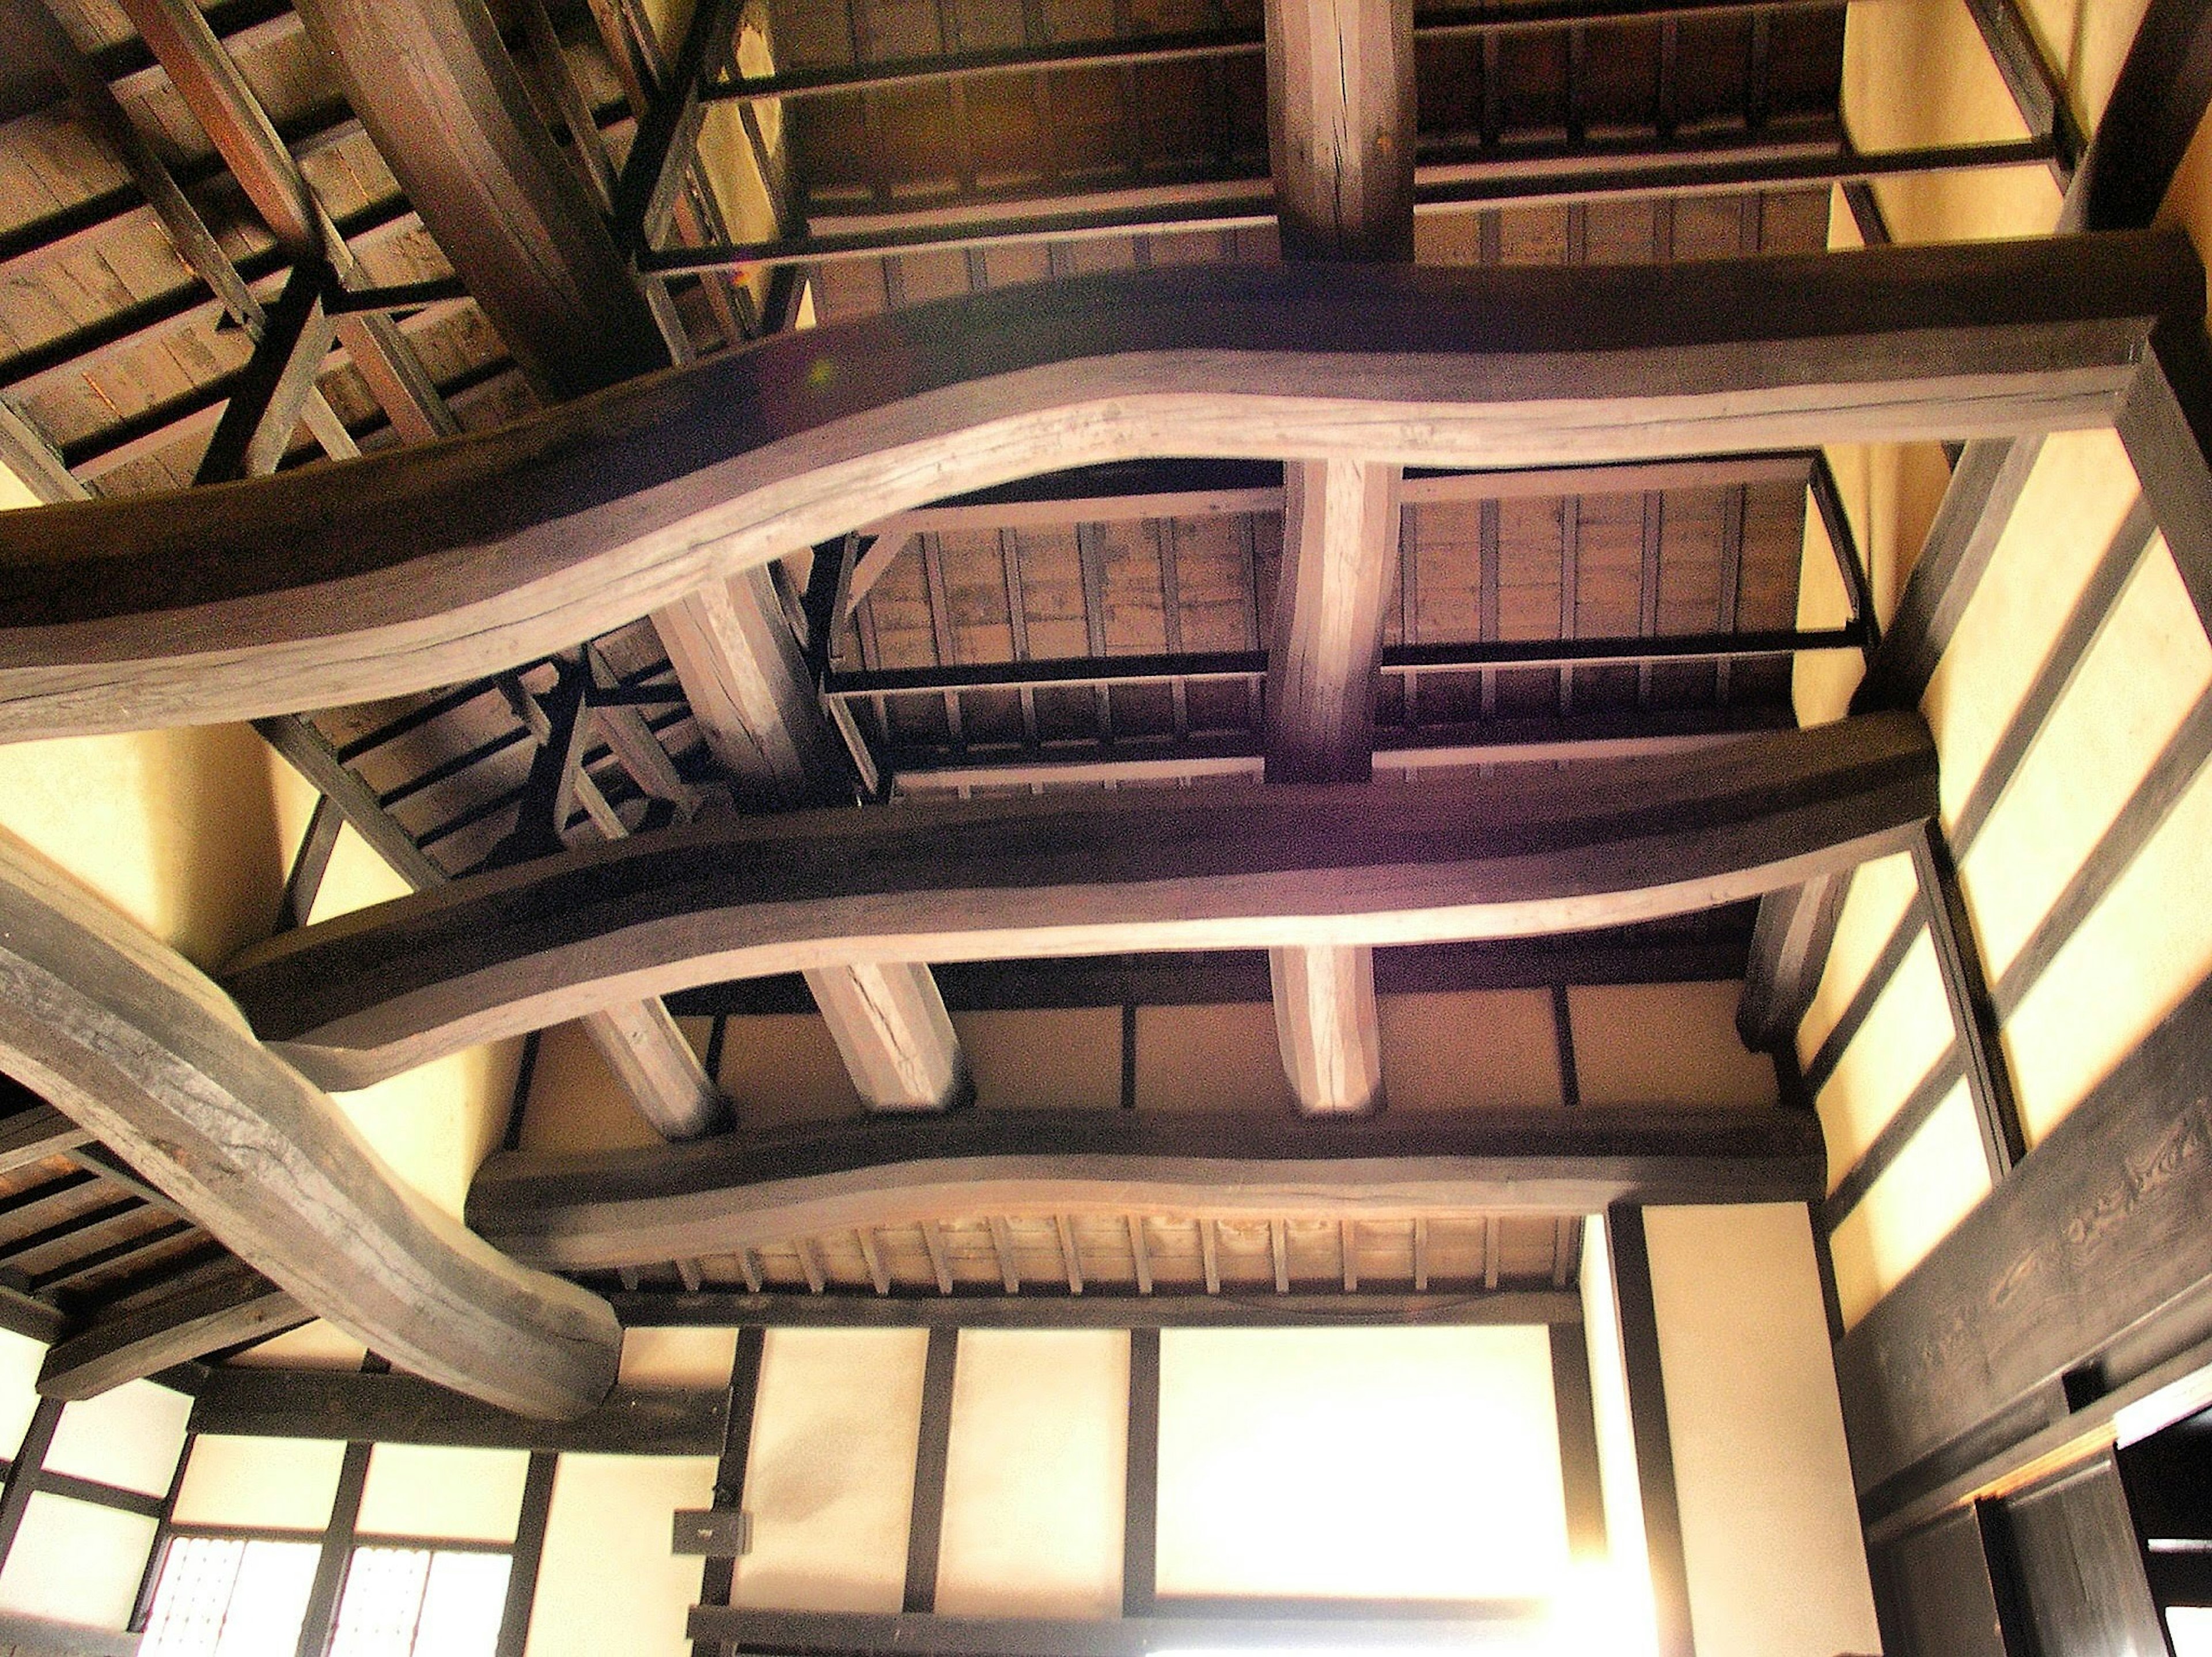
(877, 511)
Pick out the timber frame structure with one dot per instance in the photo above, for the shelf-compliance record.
(636, 627)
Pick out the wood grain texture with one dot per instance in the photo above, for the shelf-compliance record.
(433, 84)
(436, 565)
(1340, 126)
(130, 1345)
(1789, 952)
(1327, 1026)
(125, 1036)
(892, 1031)
(714, 1196)
(1239, 867)
(630, 1421)
(2094, 1232)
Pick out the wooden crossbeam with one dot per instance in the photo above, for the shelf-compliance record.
(640, 1042)
(1239, 866)
(130, 1345)
(272, 392)
(715, 1309)
(255, 1403)
(441, 565)
(129, 1039)
(212, 88)
(618, 1209)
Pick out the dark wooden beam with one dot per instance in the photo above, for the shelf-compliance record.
(428, 568)
(126, 1037)
(2037, 92)
(2092, 1237)
(1641, 1357)
(212, 88)
(719, 1309)
(256, 1403)
(1499, 1624)
(1985, 486)
(1240, 866)
(932, 1452)
(270, 393)
(2154, 110)
(1140, 1500)
(130, 1345)
(1788, 953)
(1340, 126)
(616, 1209)
(648, 1055)
(1974, 1011)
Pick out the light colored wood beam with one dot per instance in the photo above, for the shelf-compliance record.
(124, 1035)
(1232, 867)
(613, 1209)
(1340, 126)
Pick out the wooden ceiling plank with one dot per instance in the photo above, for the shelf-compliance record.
(604, 1211)
(1236, 867)
(269, 1165)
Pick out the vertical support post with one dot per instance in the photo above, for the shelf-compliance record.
(718, 1576)
(926, 1518)
(1140, 1513)
(1654, 1445)
(529, 1554)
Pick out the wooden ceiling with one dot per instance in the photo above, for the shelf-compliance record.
(1101, 628)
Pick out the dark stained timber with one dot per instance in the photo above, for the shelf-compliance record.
(715, 1196)
(130, 1345)
(128, 1038)
(720, 1309)
(1497, 1625)
(2092, 1234)
(1239, 867)
(449, 561)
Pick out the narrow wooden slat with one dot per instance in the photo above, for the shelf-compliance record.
(1654, 1438)
(933, 1451)
(34, 1130)
(1502, 1625)
(1579, 1475)
(1140, 1505)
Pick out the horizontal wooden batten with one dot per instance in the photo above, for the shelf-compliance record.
(1498, 1625)
(1239, 867)
(710, 1309)
(631, 1421)
(2092, 1236)
(716, 1197)
(447, 561)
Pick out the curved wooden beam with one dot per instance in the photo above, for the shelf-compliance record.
(128, 1038)
(715, 1196)
(438, 563)
(1239, 867)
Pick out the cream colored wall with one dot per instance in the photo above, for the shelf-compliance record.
(1918, 73)
(285, 1485)
(435, 1490)
(831, 1479)
(607, 1581)
(1665, 1043)
(1035, 1475)
(76, 1562)
(1770, 1526)
(1268, 1437)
